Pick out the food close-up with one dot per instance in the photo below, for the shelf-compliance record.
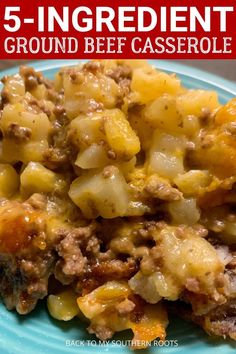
(117, 199)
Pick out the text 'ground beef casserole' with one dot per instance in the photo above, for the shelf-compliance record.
(118, 192)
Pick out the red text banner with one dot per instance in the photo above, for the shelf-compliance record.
(57, 29)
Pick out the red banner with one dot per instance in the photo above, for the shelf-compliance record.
(57, 29)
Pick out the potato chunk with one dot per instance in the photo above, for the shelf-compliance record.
(102, 193)
(15, 88)
(38, 124)
(193, 102)
(25, 134)
(120, 136)
(9, 181)
(184, 211)
(166, 155)
(149, 84)
(37, 178)
(185, 255)
(190, 256)
(85, 131)
(63, 306)
(191, 182)
(109, 127)
(154, 287)
(163, 113)
(94, 156)
(83, 89)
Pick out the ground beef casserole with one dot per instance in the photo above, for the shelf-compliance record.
(117, 199)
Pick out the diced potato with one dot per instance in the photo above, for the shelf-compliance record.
(34, 144)
(39, 92)
(185, 256)
(162, 113)
(193, 102)
(102, 193)
(9, 181)
(143, 129)
(37, 123)
(190, 182)
(110, 126)
(63, 306)
(190, 256)
(166, 155)
(154, 287)
(166, 164)
(120, 136)
(150, 84)
(145, 287)
(30, 151)
(191, 126)
(83, 88)
(37, 178)
(94, 156)
(184, 211)
(15, 88)
(85, 131)
(168, 142)
(138, 208)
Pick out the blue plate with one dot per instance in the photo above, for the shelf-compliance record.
(39, 333)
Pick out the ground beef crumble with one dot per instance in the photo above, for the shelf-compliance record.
(17, 133)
